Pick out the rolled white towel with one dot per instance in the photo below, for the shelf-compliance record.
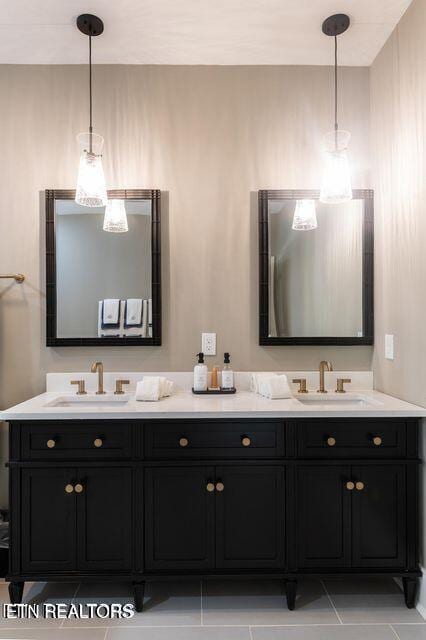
(153, 388)
(275, 387)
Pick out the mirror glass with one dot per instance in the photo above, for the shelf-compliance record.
(316, 276)
(103, 279)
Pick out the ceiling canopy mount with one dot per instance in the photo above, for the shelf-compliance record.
(336, 25)
(90, 25)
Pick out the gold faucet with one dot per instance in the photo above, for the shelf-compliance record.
(323, 365)
(98, 367)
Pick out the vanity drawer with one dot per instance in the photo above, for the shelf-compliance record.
(71, 441)
(204, 439)
(351, 438)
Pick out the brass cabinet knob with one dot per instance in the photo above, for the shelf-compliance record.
(98, 442)
(245, 441)
(51, 444)
(210, 487)
(359, 486)
(377, 441)
(184, 442)
(350, 485)
(78, 488)
(331, 441)
(69, 488)
(220, 487)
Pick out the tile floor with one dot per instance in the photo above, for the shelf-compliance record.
(339, 609)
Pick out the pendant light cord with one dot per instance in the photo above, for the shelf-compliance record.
(90, 94)
(336, 125)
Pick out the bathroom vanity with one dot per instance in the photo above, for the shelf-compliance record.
(205, 487)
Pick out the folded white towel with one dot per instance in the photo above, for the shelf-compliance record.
(274, 387)
(153, 388)
(133, 311)
(111, 311)
(104, 331)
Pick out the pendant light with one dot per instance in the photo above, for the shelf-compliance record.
(115, 219)
(305, 217)
(336, 185)
(91, 187)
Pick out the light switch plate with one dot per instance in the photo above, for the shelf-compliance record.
(389, 351)
(208, 344)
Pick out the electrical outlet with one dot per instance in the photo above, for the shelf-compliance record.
(389, 351)
(208, 344)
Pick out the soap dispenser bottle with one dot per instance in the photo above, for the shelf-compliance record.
(200, 374)
(227, 373)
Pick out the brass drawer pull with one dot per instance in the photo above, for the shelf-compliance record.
(245, 441)
(377, 441)
(331, 441)
(184, 442)
(220, 487)
(69, 488)
(350, 486)
(360, 486)
(210, 487)
(51, 444)
(98, 442)
(78, 488)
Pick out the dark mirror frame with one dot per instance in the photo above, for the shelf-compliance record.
(52, 340)
(367, 270)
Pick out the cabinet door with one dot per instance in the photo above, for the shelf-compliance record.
(250, 517)
(104, 519)
(379, 516)
(48, 520)
(323, 505)
(179, 516)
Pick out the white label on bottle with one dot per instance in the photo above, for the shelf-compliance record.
(200, 379)
(227, 379)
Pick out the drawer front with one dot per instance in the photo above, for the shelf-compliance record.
(183, 440)
(77, 440)
(351, 439)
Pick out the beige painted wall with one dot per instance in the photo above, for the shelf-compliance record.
(210, 137)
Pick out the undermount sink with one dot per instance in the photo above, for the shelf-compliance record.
(89, 401)
(337, 400)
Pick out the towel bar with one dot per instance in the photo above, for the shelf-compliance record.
(19, 277)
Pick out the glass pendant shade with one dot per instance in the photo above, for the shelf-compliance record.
(91, 187)
(305, 217)
(336, 184)
(115, 219)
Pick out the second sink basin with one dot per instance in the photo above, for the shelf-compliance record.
(336, 400)
(89, 401)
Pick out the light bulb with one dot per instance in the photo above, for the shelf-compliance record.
(115, 219)
(336, 184)
(305, 217)
(91, 188)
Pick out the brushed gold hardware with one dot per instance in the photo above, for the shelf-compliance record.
(78, 488)
(119, 386)
(359, 486)
(51, 444)
(340, 382)
(69, 488)
(18, 277)
(210, 487)
(350, 485)
(245, 441)
(377, 441)
(220, 486)
(302, 385)
(98, 367)
(81, 387)
(98, 442)
(331, 441)
(183, 442)
(323, 365)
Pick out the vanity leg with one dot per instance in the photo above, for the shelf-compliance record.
(411, 586)
(16, 589)
(139, 591)
(291, 590)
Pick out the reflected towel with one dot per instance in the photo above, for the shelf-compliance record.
(149, 318)
(153, 388)
(111, 313)
(133, 312)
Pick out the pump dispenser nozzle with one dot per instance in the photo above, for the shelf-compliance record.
(200, 357)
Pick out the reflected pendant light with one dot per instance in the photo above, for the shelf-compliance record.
(336, 185)
(91, 188)
(115, 219)
(305, 217)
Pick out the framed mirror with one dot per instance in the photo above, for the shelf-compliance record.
(103, 287)
(315, 269)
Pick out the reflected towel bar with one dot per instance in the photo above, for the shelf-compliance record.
(19, 277)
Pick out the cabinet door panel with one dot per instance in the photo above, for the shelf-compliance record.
(323, 507)
(250, 516)
(379, 517)
(179, 516)
(48, 520)
(104, 517)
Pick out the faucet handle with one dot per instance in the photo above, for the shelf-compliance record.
(81, 387)
(302, 385)
(340, 383)
(119, 386)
